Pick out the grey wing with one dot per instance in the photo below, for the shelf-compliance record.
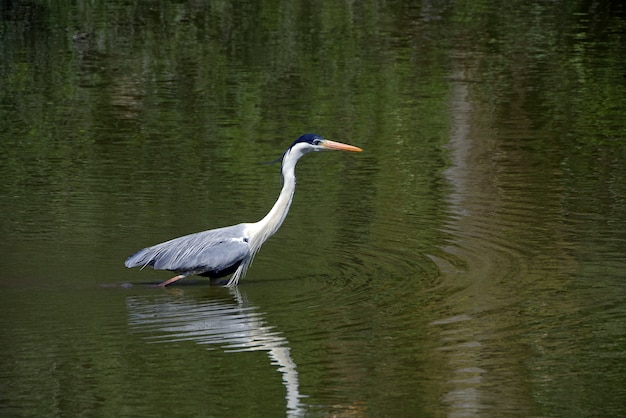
(209, 251)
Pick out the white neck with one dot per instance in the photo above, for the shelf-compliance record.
(267, 226)
(260, 231)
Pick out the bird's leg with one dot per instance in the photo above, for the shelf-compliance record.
(172, 280)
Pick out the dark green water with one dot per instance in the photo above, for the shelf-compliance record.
(470, 262)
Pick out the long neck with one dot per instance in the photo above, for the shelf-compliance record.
(275, 217)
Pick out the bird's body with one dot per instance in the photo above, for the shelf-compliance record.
(230, 250)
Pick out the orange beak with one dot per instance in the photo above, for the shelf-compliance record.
(332, 145)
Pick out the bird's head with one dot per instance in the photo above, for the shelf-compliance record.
(313, 142)
(307, 143)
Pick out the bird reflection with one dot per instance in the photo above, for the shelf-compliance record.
(233, 326)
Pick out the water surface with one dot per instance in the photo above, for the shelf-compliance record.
(470, 262)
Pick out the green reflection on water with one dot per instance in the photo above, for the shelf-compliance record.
(470, 260)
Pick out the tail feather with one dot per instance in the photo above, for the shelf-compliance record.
(142, 258)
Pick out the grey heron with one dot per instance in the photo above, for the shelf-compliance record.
(219, 252)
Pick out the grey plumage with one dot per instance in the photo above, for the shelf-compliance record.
(207, 253)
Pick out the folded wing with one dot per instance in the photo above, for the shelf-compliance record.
(215, 253)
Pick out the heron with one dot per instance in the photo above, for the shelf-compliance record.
(230, 250)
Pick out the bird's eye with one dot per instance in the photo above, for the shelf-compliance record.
(317, 141)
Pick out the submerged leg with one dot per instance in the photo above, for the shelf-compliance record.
(172, 280)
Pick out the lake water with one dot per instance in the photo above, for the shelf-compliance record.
(471, 261)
